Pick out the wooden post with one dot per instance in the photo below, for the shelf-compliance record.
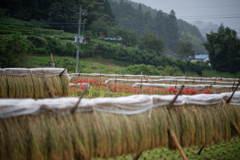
(177, 143)
(199, 152)
(175, 98)
(52, 61)
(115, 85)
(79, 100)
(215, 80)
(49, 88)
(233, 92)
(84, 155)
(63, 70)
(234, 84)
(211, 87)
(233, 126)
(137, 156)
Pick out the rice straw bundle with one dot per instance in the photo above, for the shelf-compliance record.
(19, 82)
(65, 85)
(196, 120)
(3, 87)
(59, 84)
(39, 87)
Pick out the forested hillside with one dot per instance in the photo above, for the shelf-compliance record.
(46, 27)
(166, 26)
(59, 14)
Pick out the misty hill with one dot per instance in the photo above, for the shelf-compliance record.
(167, 26)
(145, 8)
(205, 27)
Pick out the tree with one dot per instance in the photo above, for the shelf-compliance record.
(150, 42)
(185, 49)
(99, 27)
(172, 30)
(223, 48)
(13, 51)
(62, 12)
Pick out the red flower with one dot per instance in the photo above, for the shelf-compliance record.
(147, 89)
(207, 92)
(113, 87)
(80, 81)
(105, 84)
(119, 87)
(135, 90)
(82, 87)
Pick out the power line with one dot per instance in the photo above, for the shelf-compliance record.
(202, 7)
(213, 17)
(210, 15)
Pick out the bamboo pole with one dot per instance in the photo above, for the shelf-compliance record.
(177, 143)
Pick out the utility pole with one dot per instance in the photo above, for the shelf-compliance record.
(78, 39)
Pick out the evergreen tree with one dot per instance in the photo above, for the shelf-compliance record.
(173, 37)
(223, 48)
(150, 42)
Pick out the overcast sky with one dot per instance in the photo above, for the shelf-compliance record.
(216, 11)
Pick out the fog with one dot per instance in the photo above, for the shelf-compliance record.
(205, 11)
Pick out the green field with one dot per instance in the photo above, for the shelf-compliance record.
(97, 65)
(223, 151)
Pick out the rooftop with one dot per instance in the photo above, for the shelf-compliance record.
(200, 56)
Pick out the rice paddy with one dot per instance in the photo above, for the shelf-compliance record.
(100, 135)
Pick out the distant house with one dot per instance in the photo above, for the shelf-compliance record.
(200, 57)
(117, 40)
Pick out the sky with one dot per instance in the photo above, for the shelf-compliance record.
(215, 11)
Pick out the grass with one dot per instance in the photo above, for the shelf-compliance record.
(87, 65)
(214, 73)
(228, 150)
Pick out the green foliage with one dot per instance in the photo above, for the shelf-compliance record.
(151, 43)
(185, 49)
(3, 12)
(137, 56)
(142, 69)
(38, 42)
(214, 73)
(172, 71)
(47, 31)
(129, 38)
(13, 51)
(99, 27)
(196, 42)
(223, 48)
